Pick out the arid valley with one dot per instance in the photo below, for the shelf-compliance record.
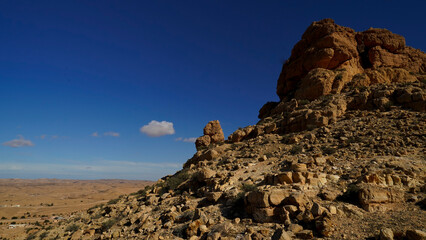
(27, 204)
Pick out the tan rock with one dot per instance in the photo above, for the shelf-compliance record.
(373, 197)
(214, 130)
(202, 141)
(213, 196)
(415, 235)
(258, 199)
(386, 234)
(277, 196)
(285, 177)
(281, 234)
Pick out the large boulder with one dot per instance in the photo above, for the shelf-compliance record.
(212, 134)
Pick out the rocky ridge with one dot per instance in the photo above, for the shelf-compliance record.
(341, 156)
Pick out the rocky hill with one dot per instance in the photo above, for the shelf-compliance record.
(341, 156)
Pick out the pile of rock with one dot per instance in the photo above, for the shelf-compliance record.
(212, 134)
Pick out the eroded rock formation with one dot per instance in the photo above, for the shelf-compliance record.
(330, 56)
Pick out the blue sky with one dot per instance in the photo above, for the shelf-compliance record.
(79, 79)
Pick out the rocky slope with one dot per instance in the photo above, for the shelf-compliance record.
(342, 156)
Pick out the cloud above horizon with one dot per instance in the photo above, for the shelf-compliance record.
(112, 134)
(189, 140)
(158, 129)
(20, 142)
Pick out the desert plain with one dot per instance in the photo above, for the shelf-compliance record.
(28, 203)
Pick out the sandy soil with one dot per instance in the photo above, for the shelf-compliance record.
(26, 201)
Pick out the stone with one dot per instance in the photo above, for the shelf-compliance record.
(299, 167)
(295, 228)
(415, 235)
(305, 234)
(285, 178)
(373, 198)
(214, 130)
(281, 234)
(258, 199)
(263, 215)
(386, 234)
(317, 210)
(320, 160)
(205, 174)
(298, 178)
(277, 196)
(212, 134)
(202, 141)
(213, 196)
(296, 199)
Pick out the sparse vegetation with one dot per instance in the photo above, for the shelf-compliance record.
(296, 149)
(108, 224)
(31, 237)
(43, 235)
(174, 181)
(72, 228)
(113, 201)
(248, 187)
(304, 102)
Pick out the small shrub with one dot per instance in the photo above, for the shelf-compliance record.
(31, 237)
(72, 228)
(328, 150)
(43, 235)
(3, 218)
(174, 181)
(296, 149)
(14, 217)
(248, 187)
(113, 201)
(108, 224)
(304, 102)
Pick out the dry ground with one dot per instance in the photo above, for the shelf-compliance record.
(40, 200)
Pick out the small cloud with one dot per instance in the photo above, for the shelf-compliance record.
(112, 134)
(158, 129)
(20, 142)
(190, 140)
(43, 136)
(95, 134)
(54, 137)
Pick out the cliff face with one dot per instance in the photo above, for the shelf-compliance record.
(330, 56)
(341, 156)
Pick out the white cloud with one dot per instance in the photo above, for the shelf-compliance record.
(95, 134)
(190, 140)
(43, 136)
(112, 134)
(20, 142)
(158, 129)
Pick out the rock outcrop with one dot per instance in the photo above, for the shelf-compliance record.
(330, 56)
(212, 134)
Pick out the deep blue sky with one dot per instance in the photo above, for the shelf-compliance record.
(69, 69)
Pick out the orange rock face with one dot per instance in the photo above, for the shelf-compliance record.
(329, 56)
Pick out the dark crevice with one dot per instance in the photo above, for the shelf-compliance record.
(363, 57)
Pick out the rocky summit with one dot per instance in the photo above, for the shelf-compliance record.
(341, 156)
